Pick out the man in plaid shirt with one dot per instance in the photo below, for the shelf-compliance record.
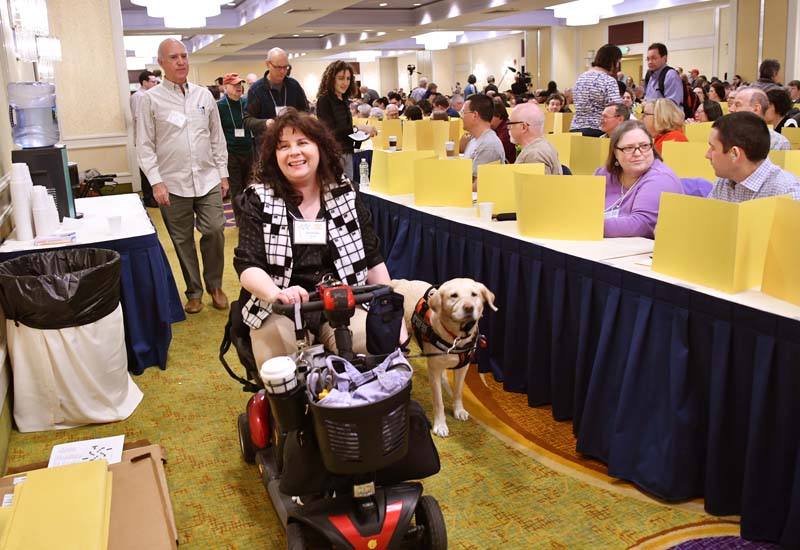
(738, 149)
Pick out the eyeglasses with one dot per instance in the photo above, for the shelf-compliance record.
(509, 123)
(279, 67)
(609, 117)
(630, 149)
(465, 112)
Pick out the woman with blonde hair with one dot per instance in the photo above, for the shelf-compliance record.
(664, 120)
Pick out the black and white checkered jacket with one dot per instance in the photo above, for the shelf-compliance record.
(344, 233)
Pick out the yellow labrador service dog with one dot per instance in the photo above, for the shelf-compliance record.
(446, 319)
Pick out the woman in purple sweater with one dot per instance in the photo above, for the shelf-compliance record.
(635, 179)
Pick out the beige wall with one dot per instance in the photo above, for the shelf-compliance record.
(775, 28)
(747, 39)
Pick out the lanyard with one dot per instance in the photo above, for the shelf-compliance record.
(231, 112)
(269, 87)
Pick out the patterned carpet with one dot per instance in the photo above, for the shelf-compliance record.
(509, 479)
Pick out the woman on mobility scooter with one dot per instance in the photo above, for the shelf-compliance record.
(301, 221)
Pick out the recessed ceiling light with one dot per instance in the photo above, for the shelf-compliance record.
(295, 35)
(400, 30)
(417, 4)
(381, 33)
(232, 4)
(383, 4)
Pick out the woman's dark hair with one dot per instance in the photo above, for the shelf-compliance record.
(267, 170)
(471, 79)
(781, 100)
(612, 165)
(214, 91)
(559, 97)
(426, 106)
(500, 110)
(607, 57)
(719, 88)
(552, 88)
(326, 85)
(413, 113)
(712, 109)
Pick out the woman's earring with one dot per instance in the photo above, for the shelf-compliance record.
(616, 163)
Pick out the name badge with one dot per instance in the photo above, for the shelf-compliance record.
(280, 110)
(177, 119)
(310, 232)
(612, 213)
(238, 132)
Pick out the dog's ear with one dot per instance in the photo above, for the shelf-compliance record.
(488, 296)
(435, 302)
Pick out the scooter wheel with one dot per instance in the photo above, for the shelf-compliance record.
(245, 442)
(428, 515)
(302, 537)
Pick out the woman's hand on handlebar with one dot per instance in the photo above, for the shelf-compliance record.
(291, 295)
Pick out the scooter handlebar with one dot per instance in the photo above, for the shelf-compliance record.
(362, 295)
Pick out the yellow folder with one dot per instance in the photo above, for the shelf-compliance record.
(582, 155)
(391, 171)
(393, 127)
(788, 160)
(713, 243)
(793, 135)
(782, 264)
(688, 160)
(443, 182)
(698, 132)
(560, 207)
(67, 507)
(496, 184)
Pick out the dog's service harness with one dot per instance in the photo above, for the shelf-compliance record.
(423, 332)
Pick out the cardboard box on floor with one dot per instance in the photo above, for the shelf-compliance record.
(141, 511)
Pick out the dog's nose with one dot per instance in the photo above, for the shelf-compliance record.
(469, 308)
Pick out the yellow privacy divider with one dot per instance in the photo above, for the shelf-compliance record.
(788, 160)
(456, 130)
(583, 155)
(426, 135)
(782, 264)
(793, 135)
(698, 131)
(560, 207)
(496, 184)
(385, 129)
(714, 243)
(688, 160)
(391, 171)
(724, 105)
(557, 123)
(443, 182)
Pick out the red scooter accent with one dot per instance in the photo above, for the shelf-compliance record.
(258, 418)
(375, 542)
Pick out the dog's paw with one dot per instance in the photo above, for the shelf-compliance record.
(441, 430)
(461, 414)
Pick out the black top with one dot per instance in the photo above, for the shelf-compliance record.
(335, 114)
(309, 262)
(262, 100)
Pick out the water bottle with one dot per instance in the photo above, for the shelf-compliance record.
(363, 173)
(32, 109)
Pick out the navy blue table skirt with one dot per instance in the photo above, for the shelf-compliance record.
(683, 394)
(149, 297)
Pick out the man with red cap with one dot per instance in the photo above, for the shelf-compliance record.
(232, 107)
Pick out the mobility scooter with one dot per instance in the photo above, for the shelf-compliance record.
(337, 477)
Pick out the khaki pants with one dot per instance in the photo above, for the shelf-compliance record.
(275, 336)
(180, 218)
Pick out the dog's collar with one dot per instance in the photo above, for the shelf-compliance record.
(423, 332)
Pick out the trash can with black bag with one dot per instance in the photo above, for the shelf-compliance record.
(66, 339)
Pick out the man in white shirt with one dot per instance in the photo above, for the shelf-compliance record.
(146, 81)
(182, 150)
(756, 101)
(480, 143)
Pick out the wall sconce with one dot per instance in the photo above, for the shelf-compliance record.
(32, 37)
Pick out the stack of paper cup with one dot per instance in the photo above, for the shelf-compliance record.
(279, 374)
(45, 213)
(21, 185)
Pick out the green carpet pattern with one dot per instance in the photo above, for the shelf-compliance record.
(492, 494)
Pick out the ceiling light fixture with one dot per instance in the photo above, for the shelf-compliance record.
(437, 40)
(583, 12)
(182, 14)
(295, 35)
(383, 4)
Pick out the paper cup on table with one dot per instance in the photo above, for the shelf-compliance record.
(279, 375)
(114, 225)
(485, 211)
(21, 201)
(393, 143)
(450, 147)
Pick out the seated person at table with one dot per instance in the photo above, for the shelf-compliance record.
(756, 101)
(526, 127)
(664, 121)
(708, 111)
(635, 179)
(280, 257)
(557, 103)
(737, 148)
(781, 112)
(480, 143)
(499, 124)
(613, 115)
